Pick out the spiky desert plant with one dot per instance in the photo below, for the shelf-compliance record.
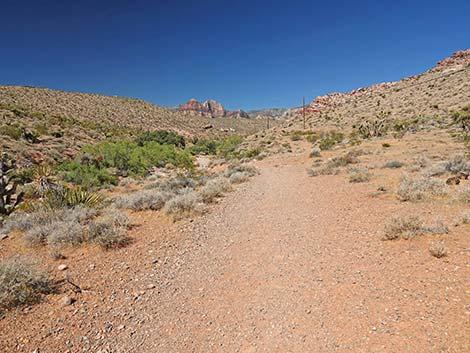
(79, 196)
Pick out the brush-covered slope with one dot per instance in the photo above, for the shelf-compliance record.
(38, 124)
(426, 99)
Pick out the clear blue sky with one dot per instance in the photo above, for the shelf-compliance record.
(245, 54)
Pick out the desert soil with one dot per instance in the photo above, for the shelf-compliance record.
(286, 263)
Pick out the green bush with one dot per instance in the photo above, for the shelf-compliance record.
(161, 137)
(89, 176)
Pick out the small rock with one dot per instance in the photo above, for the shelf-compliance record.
(66, 301)
(62, 267)
(3, 236)
(151, 286)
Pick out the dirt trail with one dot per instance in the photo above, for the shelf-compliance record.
(286, 263)
(294, 264)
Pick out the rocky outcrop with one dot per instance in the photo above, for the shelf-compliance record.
(459, 58)
(211, 109)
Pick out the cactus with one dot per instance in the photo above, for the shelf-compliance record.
(9, 198)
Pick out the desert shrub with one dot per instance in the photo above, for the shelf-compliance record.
(420, 162)
(15, 131)
(215, 188)
(359, 175)
(436, 170)
(178, 183)
(438, 249)
(227, 148)
(124, 157)
(326, 170)
(38, 235)
(22, 282)
(204, 146)
(394, 164)
(186, 203)
(251, 153)
(458, 164)
(109, 230)
(240, 168)
(239, 177)
(462, 118)
(161, 137)
(406, 228)
(88, 176)
(143, 200)
(437, 228)
(420, 188)
(65, 233)
(329, 139)
(463, 195)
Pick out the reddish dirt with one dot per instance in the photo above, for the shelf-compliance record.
(286, 263)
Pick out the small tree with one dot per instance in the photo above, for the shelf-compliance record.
(9, 199)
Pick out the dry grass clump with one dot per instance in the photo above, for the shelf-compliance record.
(438, 249)
(186, 203)
(404, 227)
(143, 200)
(359, 175)
(463, 195)
(215, 188)
(420, 188)
(22, 282)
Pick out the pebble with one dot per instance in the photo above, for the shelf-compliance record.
(66, 301)
(3, 236)
(62, 267)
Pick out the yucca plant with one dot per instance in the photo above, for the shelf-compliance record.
(79, 196)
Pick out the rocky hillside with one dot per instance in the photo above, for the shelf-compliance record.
(210, 109)
(38, 124)
(274, 113)
(427, 98)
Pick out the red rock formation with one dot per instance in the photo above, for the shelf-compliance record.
(211, 109)
(459, 58)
